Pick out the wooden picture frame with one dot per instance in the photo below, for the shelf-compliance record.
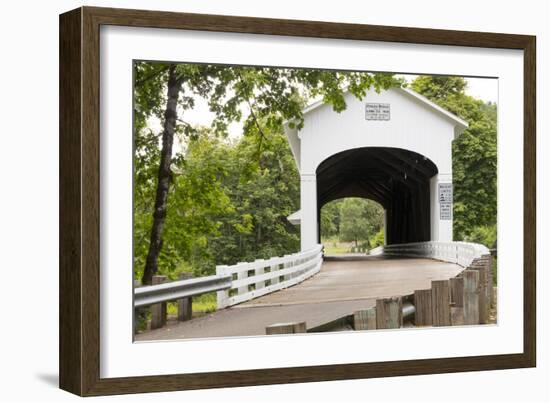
(80, 199)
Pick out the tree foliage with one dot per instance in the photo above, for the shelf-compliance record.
(352, 220)
(224, 203)
(474, 154)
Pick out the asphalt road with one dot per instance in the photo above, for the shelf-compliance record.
(344, 285)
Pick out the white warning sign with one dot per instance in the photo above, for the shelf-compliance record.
(445, 194)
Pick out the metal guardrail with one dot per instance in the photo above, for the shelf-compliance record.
(153, 294)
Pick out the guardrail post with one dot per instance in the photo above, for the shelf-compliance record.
(286, 328)
(457, 301)
(222, 297)
(158, 311)
(185, 305)
(423, 304)
(471, 297)
(441, 303)
(259, 270)
(389, 313)
(365, 319)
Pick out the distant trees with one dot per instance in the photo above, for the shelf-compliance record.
(352, 220)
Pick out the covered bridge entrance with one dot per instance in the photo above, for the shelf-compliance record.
(394, 147)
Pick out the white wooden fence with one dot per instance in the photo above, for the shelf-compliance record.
(254, 279)
(461, 253)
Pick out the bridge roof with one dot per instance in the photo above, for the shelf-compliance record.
(454, 118)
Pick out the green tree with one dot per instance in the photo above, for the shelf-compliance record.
(330, 219)
(474, 153)
(360, 219)
(271, 96)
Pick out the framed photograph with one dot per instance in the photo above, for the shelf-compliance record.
(249, 201)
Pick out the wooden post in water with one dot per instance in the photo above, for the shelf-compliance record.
(457, 301)
(441, 303)
(389, 313)
(286, 328)
(423, 304)
(185, 305)
(471, 297)
(158, 311)
(365, 319)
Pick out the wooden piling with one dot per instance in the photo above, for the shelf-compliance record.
(483, 295)
(441, 303)
(365, 319)
(423, 304)
(389, 313)
(457, 301)
(471, 297)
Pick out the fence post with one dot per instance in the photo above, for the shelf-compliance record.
(259, 270)
(389, 313)
(457, 301)
(365, 319)
(286, 266)
(423, 304)
(185, 305)
(274, 269)
(471, 297)
(222, 297)
(441, 303)
(158, 311)
(286, 328)
(241, 275)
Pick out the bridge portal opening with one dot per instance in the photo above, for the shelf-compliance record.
(397, 179)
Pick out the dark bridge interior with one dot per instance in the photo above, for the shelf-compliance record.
(397, 179)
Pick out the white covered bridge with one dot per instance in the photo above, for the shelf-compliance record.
(394, 147)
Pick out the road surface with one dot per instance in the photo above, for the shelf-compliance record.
(344, 285)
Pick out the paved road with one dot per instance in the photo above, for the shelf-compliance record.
(344, 285)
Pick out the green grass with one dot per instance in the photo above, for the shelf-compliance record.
(202, 304)
(205, 303)
(335, 247)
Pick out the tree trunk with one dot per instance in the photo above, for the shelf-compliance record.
(164, 175)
